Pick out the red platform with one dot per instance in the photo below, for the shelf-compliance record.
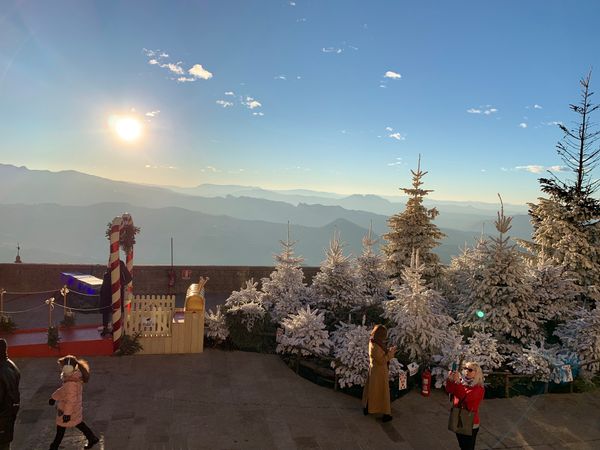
(83, 340)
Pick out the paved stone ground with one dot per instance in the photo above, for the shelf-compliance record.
(236, 400)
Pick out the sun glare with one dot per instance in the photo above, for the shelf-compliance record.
(127, 128)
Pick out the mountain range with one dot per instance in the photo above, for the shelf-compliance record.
(61, 217)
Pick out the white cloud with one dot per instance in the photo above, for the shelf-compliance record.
(484, 170)
(536, 106)
(487, 110)
(229, 93)
(389, 129)
(353, 47)
(535, 168)
(292, 3)
(186, 79)
(153, 62)
(163, 55)
(332, 50)
(152, 113)
(258, 114)
(210, 169)
(392, 75)
(281, 77)
(302, 19)
(396, 163)
(252, 103)
(224, 103)
(382, 86)
(198, 71)
(175, 68)
(397, 136)
(523, 125)
(555, 122)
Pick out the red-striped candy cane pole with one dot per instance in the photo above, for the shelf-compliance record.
(115, 280)
(127, 220)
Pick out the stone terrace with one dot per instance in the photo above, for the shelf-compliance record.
(237, 400)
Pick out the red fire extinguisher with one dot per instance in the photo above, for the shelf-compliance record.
(426, 383)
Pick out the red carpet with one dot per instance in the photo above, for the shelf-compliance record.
(83, 340)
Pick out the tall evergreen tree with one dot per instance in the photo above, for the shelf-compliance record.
(501, 300)
(372, 276)
(418, 323)
(336, 287)
(411, 229)
(566, 223)
(285, 292)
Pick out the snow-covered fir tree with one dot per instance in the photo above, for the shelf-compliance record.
(457, 276)
(246, 305)
(336, 287)
(215, 327)
(419, 325)
(501, 299)
(372, 275)
(285, 292)
(554, 290)
(566, 224)
(482, 348)
(581, 335)
(351, 351)
(304, 332)
(411, 229)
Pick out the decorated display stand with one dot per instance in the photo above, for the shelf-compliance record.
(162, 328)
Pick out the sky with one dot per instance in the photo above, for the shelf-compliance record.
(337, 96)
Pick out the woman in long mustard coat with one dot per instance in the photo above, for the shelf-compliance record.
(376, 393)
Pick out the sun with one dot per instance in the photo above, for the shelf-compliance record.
(127, 128)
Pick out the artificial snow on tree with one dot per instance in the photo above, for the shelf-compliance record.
(554, 290)
(245, 306)
(566, 225)
(419, 325)
(285, 292)
(411, 229)
(541, 362)
(304, 333)
(215, 327)
(482, 348)
(372, 275)
(501, 299)
(457, 276)
(336, 286)
(581, 335)
(351, 352)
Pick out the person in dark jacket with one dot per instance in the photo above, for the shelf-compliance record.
(469, 390)
(106, 295)
(10, 396)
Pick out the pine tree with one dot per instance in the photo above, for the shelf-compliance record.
(581, 334)
(245, 307)
(285, 292)
(372, 276)
(215, 327)
(304, 333)
(566, 224)
(419, 325)
(501, 300)
(458, 275)
(336, 287)
(413, 229)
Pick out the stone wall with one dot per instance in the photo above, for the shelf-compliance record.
(147, 279)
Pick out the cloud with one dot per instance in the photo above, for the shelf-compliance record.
(152, 61)
(392, 75)
(484, 170)
(523, 125)
(224, 103)
(198, 71)
(186, 79)
(389, 129)
(395, 163)
(210, 169)
(152, 113)
(281, 77)
(487, 110)
(175, 68)
(229, 93)
(397, 136)
(252, 103)
(302, 19)
(332, 50)
(258, 114)
(292, 3)
(352, 47)
(534, 168)
(555, 122)
(383, 86)
(536, 106)
(151, 166)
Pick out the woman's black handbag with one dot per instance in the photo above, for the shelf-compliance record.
(461, 419)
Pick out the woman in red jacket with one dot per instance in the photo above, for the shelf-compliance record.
(470, 389)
